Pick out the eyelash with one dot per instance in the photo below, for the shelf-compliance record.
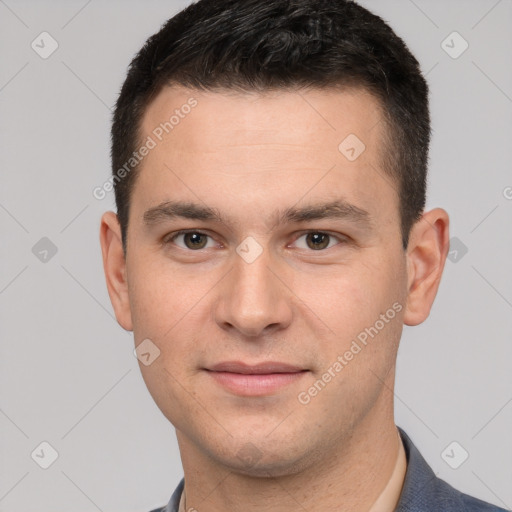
(170, 238)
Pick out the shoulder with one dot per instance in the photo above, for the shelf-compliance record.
(423, 491)
(173, 504)
(450, 499)
(473, 505)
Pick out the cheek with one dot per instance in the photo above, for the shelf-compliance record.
(170, 308)
(348, 302)
(150, 307)
(163, 313)
(345, 297)
(160, 296)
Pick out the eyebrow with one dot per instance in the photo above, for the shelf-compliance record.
(338, 209)
(173, 209)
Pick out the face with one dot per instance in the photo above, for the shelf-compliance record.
(262, 231)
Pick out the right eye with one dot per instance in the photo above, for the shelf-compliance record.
(193, 240)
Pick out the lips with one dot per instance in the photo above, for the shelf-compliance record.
(257, 369)
(262, 379)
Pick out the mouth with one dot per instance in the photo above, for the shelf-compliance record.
(261, 379)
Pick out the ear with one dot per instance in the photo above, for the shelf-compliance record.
(428, 247)
(114, 265)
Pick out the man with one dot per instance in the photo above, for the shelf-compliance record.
(269, 164)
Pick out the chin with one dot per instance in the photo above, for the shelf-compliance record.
(256, 462)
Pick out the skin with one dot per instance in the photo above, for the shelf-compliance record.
(252, 156)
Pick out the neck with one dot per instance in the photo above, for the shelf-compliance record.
(354, 473)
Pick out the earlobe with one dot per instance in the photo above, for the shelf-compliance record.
(426, 255)
(114, 266)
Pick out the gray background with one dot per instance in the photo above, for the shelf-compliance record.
(68, 374)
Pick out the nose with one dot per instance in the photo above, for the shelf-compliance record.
(253, 300)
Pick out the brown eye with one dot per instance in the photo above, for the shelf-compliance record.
(317, 241)
(195, 240)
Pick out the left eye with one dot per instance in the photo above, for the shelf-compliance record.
(315, 241)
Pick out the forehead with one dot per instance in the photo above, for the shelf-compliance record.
(257, 143)
(315, 117)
